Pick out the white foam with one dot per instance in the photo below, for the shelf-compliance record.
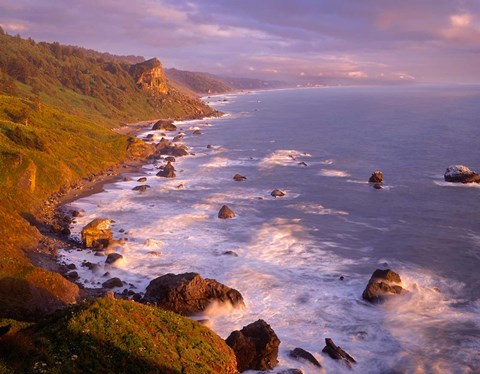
(334, 173)
(283, 157)
(317, 209)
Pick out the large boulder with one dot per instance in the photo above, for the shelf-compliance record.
(277, 193)
(226, 213)
(255, 346)
(168, 171)
(165, 125)
(189, 293)
(97, 233)
(166, 147)
(461, 174)
(382, 284)
(302, 354)
(337, 353)
(376, 177)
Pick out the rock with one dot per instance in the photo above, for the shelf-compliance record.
(230, 253)
(291, 371)
(378, 186)
(277, 193)
(299, 353)
(255, 346)
(181, 186)
(112, 283)
(170, 159)
(72, 275)
(113, 257)
(141, 188)
(337, 353)
(376, 177)
(197, 132)
(165, 147)
(149, 76)
(177, 138)
(302, 163)
(127, 179)
(461, 174)
(226, 213)
(71, 266)
(209, 146)
(167, 172)
(239, 178)
(66, 231)
(97, 233)
(165, 125)
(142, 180)
(189, 293)
(382, 284)
(74, 213)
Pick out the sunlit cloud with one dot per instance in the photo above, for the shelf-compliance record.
(14, 27)
(357, 74)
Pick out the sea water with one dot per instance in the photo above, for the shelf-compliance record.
(319, 146)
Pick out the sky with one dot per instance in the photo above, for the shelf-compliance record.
(305, 40)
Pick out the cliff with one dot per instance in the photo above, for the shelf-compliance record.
(149, 76)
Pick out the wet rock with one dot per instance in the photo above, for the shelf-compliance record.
(74, 213)
(302, 163)
(91, 266)
(189, 293)
(177, 138)
(167, 172)
(376, 177)
(72, 275)
(239, 178)
(71, 266)
(299, 353)
(197, 132)
(113, 258)
(112, 283)
(97, 233)
(230, 253)
(165, 147)
(226, 213)
(377, 186)
(277, 193)
(382, 284)
(170, 159)
(461, 174)
(337, 353)
(255, 346)
(291, 371)
(209, 146)
(66, 231)
(127, 179)
(142, 180)
(141, 188)
(165, 125)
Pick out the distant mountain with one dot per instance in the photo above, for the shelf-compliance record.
(209, 84)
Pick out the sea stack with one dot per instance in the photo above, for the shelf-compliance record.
(461, 174)
(226, 213)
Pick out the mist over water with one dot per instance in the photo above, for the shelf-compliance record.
(331, 223)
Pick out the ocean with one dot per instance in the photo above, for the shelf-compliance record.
(319, 146)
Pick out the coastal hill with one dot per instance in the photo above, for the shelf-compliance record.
(58, 106)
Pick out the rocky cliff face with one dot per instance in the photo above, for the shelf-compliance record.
(149, 76)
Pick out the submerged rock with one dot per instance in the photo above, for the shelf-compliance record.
(97, 233)
(239, 178)
(189, 293)
(277, 193)
(383, 283)
(337, 353)
(141, 188)
(376, 177)
(255, 346)
(461, 174)
(226, 213)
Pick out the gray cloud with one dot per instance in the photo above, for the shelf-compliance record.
(430, 40)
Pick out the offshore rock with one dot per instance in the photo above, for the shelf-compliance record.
(382, 284)
(255, 346)
(97, 233)
(461, 174)
(376, 177)
(299, 353)
(239, 178)
(337, 353)
(189, 293)
(112, 258)
(165, 125)
(141, 188)
(277, 193)
(168, 171)
(226, 213)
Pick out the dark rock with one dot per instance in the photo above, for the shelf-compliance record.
(277, 193)
(141, 188)
(142, 180)
(5, 329)
(209, 146)
(137, 297)
(168, 171)
(461, 174)
(305, 355)
(342, 277)
(377, 186)
(66, 231)
(337, 353)
(197, 132)
(189, 293)
(73, 275)
(181, 186)
(291, 371)
(226, 213)
(71, 266)
(239, 178)
(381, 285)
(177, 138)
(376, 177)
(165, 147)
(112, 283)
(255, 346)
(74, 213)
(113, 257)
(164, 125)
(170, 159)
(302, 163)
(97, 233)
(91, 266)
(230, 253)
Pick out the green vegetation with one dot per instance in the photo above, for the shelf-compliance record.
(199, 83)
(116, 336)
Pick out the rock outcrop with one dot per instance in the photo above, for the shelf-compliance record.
(239, 178)
(165, 147)
(382, 284)
(189, 293)
(112, 283)
(149, 76)
(97, 233)
(226, 213)
(300, 353)
(376, 177)
(461, 174)
(337, 353)
(277, 193)
(168, 171)
(165, 125)
(255, 346)
(113, 258)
